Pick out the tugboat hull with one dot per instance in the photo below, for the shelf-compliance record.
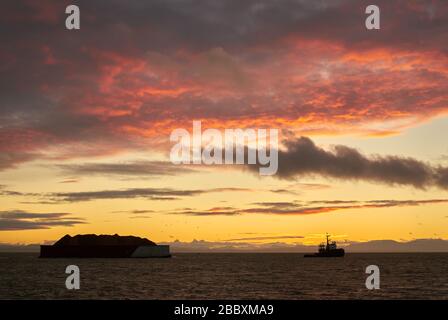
(332, 254)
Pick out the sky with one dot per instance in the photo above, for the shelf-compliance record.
(86, 116)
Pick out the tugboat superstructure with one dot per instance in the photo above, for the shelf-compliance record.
(328, 250)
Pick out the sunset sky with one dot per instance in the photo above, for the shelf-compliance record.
(86, 116)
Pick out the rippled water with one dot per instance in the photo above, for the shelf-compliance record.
(226, 276)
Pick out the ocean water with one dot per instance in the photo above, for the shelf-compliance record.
(227, 276)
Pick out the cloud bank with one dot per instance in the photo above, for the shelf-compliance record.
(305, 207)
(303, 157)
(136, 168)
(23, 220)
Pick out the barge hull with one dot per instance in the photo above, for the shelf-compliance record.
(105, 251)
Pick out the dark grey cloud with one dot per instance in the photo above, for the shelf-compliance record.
(136, 212)
(306, 208)
(203, 24)
(304, 158)
(140, 217)
(38, 202)
(162, 194)
(71, 180)
(136, 168)
(147, 193)
(209, 212)
(333, 201)
(296, 188)
(141, 211)
(275, 204)
(23, 220)
(441, 177)
(284, 191)
(6, 192)
(10, 160)
(309, 207)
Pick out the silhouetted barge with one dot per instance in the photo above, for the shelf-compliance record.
(330, 250)
(104, 246)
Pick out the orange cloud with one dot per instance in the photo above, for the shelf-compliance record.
(304, 75)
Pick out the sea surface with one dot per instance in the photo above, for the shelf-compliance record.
(227, 276)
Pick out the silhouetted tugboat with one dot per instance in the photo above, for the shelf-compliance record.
(327, 251)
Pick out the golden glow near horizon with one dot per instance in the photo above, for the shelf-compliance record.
(160, 220)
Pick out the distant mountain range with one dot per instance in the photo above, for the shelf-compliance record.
(418, 245)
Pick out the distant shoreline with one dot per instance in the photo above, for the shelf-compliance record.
(202, 246)
(268, 252)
